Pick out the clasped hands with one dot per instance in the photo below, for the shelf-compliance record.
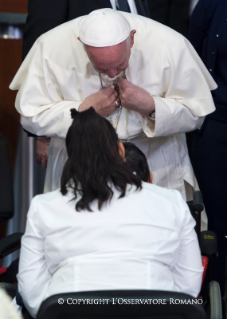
(129, 95)
(105, 102)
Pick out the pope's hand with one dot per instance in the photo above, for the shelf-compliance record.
(135, 98)
(42, 150)
(103, 102)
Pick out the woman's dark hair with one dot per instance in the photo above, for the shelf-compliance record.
(94, 161)
(137, 161)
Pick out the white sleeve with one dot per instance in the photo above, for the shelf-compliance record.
(44, 111)
(187, 98)
(187, 272)
(33, 277)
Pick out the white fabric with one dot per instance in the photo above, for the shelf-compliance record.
(132, 6)
(193, 3)
(8, 308)
(145, 240)
(57, 76)
(113, 4)
(104, 28)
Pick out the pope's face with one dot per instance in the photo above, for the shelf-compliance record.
(111, 60)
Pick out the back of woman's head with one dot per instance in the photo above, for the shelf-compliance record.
(136, 160)
(93, 161)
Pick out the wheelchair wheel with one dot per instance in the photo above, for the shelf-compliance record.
(215, 301)
(9, 288)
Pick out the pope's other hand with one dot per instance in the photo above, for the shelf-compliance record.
(103, 102)
(42, 150)
(135, 98)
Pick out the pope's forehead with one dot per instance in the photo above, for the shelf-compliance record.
(105, 60)
(114, 55)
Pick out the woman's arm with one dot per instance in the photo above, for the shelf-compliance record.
(188, 270)
(33, 276)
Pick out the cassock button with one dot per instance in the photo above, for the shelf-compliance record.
(212, 52)
(217, 35)
(210, 70)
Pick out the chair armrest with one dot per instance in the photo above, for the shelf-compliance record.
(9, 244)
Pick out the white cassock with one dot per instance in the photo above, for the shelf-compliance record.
(57, 76)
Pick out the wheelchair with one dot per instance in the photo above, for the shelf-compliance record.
(119, 304)
(215, 306)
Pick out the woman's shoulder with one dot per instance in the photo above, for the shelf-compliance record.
(161, 204)
(48, 196)
(170, 194)
(170, 203)
(50, 200)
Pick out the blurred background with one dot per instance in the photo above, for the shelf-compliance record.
(13, 15)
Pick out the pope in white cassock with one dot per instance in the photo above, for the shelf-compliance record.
(164, 89)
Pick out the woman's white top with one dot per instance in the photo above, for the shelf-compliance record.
(145, 240)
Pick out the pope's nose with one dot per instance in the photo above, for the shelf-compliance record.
(112, 73)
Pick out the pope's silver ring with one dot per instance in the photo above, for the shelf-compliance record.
(117, 103)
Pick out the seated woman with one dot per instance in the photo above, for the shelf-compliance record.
(105, 229)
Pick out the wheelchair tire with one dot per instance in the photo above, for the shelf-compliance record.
(215, 300)
(9, 288)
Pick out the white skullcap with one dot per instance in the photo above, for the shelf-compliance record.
(103, 28)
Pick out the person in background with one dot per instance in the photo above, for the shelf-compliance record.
(167, 12)
(113, 231)
(192, 5)
(172, 13)
(136, 160)
(208, 35)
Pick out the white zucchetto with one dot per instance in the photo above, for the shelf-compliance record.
(105, 27)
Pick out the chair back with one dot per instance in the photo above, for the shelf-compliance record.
(121, 304)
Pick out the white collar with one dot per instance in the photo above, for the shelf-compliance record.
(131, 4)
